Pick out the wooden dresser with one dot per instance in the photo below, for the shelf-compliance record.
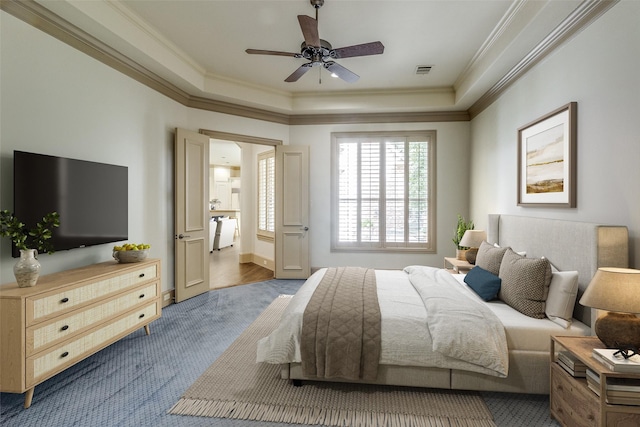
(71, 315)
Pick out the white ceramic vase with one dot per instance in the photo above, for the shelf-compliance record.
(27, 269)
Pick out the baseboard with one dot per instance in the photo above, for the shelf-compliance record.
(246, 258)
(168, 297)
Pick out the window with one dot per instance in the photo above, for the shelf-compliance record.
(266, 194)
(382, 191)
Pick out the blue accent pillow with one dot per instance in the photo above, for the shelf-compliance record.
(483, 283)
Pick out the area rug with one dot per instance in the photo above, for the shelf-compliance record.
(237, 387)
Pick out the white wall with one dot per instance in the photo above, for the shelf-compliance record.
(599, 69)
(452, 153)
(56, 100)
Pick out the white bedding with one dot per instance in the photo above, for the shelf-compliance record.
(406, 336)
(526, 333)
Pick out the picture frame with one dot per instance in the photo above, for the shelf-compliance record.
(547, 168)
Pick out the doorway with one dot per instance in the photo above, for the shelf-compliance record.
(226, 270)
(232, 193)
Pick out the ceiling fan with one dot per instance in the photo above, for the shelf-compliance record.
(320, 53)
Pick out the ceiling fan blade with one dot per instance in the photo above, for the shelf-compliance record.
(373, 48)
(309, 27)
(340, 71)
(271, 52)
(298, 73)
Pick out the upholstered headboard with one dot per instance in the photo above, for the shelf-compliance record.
(568, 245)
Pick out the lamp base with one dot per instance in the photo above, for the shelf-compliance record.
(471, 255)
(618, 329)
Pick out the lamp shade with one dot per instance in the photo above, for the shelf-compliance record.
(614, 289)
(473, 238)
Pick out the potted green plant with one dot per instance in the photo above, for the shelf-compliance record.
(462, 226)
(30, 242)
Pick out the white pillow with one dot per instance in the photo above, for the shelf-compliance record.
(563, 290)
(521, 253)
(553, 267)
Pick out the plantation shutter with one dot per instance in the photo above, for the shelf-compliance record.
(266, 194)
(381, 192)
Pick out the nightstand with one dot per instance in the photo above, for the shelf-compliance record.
(572, 402)
(457, 265)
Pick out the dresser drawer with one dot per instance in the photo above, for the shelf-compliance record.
(58, 358)
(59, 329)
(572, 402)
(618, 419)
(48, 305)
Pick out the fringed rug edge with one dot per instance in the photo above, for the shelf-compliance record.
(315, 416)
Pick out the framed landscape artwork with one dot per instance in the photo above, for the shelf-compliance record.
(547, 159)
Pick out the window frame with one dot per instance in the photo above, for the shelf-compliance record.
(430, 245)
(262, 234)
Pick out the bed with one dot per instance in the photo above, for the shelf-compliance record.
(521, 363)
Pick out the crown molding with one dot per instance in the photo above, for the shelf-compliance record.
(236, 137)
(45, 20)
(587, 12)
(223, 107)
(323, 119)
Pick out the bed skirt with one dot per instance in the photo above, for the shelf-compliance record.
(528, 373)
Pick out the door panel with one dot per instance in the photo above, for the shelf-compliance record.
(292, 212)
(193, 249)
(292, 260)
(191, 206)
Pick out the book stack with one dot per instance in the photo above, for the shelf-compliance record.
(572, 364)
(619, 391)
(617, 364)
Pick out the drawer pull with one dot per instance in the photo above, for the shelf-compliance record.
(141, 316)
(65, 354)
(141, 296)
(64, 328)
(141, 275)
(63, 300)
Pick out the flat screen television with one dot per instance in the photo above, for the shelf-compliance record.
(91, 198)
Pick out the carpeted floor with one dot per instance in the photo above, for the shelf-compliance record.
(237, 387)
(135, 381)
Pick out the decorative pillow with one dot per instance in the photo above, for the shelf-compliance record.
(525, 283)
(489, 257)
(483, 283)
(563, 291)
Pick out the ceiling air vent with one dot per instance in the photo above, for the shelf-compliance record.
(423, 69)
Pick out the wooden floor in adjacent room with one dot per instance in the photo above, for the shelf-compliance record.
(226, 271)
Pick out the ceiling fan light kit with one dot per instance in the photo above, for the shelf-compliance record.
(320, 53)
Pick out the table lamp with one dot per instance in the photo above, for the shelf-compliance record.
(472, 239)
(616, 290)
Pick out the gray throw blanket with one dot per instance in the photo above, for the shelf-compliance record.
(341, 329)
